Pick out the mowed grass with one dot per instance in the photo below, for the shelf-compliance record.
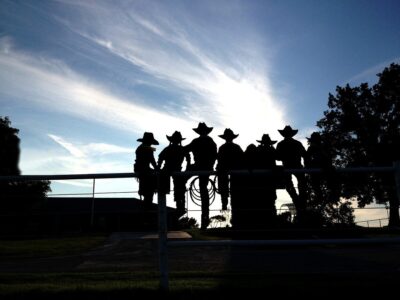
(48, 247)
(183, 284)
(196, 285)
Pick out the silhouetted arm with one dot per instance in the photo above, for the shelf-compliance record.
(278, 152)
(214, 153)
(303, 153)
(188, 148)
(187, 157)
(161, 159)
(153, 161)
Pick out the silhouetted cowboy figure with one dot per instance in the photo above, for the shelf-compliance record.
(290, 152)
(266, 153)
(204, 152)
(318, 157)
(144, 161)
(229, 158)
(243, 205)
(172, 157)
(266, 156)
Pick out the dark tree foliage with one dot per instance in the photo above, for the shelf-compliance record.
(325, 207)
(16, 196)
(362, 126)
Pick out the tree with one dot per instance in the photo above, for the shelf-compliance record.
(9, 147)
(17, 197)
(362, 126)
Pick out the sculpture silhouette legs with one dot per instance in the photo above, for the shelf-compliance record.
(223, 186)
(147, 188)
(205, 201)
(179, 194)
(299, 200)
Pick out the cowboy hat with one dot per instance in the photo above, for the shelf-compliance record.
(228, 135)
(148, 138)
(314, 138)
(288, 131)
(266, 140)
(175, 137)
(202, 128)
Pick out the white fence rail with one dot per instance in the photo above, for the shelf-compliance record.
(162, 209)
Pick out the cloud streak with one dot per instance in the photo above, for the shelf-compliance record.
(231, 92)
(369, 75)
(216, 79)
(55, 87)
(91, 149)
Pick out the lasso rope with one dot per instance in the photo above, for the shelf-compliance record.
(194, 190)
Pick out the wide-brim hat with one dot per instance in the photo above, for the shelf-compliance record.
(148, 138)
(315, 138)
(228, 135)
(202, 128)
(266, 140)
(288, 131)
(175, 137)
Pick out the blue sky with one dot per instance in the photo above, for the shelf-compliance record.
(82, 80)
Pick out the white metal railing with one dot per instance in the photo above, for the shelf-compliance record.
(162, 209)
(373, 220)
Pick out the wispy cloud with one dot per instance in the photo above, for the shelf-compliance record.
(73, 150)
(227, 87)
(79, 157)
(55, 87)
(219, 80)
(369, 75)
(91, 149)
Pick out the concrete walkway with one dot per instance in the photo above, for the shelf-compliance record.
(118, 236)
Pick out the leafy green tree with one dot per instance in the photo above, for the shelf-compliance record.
(326, 208)
(16, 196)
(362, 126)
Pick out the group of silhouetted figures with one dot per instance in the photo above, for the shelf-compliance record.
(252, 194)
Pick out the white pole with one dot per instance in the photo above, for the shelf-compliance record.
(93, 197)
(162, 237)
(396, 166)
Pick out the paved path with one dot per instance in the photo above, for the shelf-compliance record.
(139, 252)
(147, 235)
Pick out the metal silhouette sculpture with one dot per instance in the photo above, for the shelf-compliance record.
(204, 152)
(229, 158)
(143, 163)
(170, 160)
(291, 152)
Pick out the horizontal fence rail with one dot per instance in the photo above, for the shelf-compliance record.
(190, 173)
(162, 208)
(302, 242)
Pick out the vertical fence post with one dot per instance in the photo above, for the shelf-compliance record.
(162, 235)
(396, 165)
(93, 199)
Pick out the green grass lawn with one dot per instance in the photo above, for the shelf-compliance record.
(48, 246)
(196, 285)
(183, 284)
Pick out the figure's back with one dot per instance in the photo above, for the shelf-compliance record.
(317, 157)
(173, 156)
(290, 152)
(266, 156)
(204, 152)
(144, 157)
(230, 157)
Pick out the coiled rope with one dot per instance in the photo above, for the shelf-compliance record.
(194, 190)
